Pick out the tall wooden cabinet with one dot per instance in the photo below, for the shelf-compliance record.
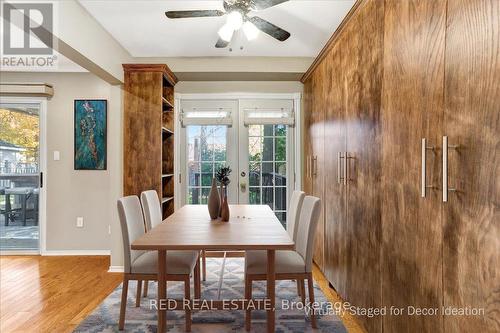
(148, 137)
(471, 216)
(413, 102)
(396, 78)
(314, 152)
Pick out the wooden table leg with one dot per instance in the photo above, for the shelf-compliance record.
(271, 282)
(162, 290)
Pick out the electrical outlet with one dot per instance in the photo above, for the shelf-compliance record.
(79, 222)
(109, 229)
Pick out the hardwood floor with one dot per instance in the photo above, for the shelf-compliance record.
(53, 294)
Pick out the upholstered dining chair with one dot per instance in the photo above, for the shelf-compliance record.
(289, 265)
(152, 217)
(293, 215)
(142, 265)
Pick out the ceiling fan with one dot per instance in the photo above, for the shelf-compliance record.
(237, 17)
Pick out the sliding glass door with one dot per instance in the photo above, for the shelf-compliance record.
(20, 176)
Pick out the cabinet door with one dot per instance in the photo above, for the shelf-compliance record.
(336, 251)
(363, 39)
(472, 121)
(307, 139)
(412, 109)
(316, 133)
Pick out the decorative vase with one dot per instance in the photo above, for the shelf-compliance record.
(214, 201)
(225, 210)
(221, 197)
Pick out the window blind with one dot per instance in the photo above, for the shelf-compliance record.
(277, 116)
(206, 116)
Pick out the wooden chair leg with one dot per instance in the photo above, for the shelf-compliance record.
(138, 296)
(187, 295)
(302, 291)
(248, 296)
(123, 304)
(197, 281)
(146, 286)
(204, 263)
(311, 299)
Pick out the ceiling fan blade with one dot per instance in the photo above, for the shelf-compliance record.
(263, 4)
(193, 13)
(270, 28)
(221, 43)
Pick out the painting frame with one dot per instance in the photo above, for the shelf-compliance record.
(101, 148)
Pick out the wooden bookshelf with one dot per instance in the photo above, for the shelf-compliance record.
(149, 132)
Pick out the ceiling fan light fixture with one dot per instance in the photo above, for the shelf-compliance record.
(250, 30)
(235, 20)
(226, 32)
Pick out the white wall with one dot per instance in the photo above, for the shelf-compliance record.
(185, 87)
(71, 193)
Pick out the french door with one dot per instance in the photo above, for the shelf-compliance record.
(252, 138)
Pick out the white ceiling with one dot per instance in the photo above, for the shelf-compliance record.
(142, 28)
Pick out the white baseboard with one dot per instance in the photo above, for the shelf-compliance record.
(19, 253)
(115, 269)
(76, 253)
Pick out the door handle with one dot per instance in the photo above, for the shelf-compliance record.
(315, 166)
(307, 167)
(243, 185)
(348, 158)
(340, 157)
(345, 169)
(445, 168)
(423, 184)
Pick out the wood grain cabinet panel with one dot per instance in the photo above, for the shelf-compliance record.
(472, 121)
(336, 241)
(316, 133)
(142, 128)
(363, 40)
(306, 142)
(412, 108)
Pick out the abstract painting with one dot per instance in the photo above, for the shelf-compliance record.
(90, 134)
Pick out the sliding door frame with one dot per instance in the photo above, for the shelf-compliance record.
(42, 206)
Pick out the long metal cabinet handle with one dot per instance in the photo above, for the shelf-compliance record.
(345, 169)
(349, 157)
(424, 185)
(307, 166)
(340, 156)
(309, 172)
(315, 165)
(445, 168)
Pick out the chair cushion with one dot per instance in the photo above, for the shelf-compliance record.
(178, 262)
(285, 262)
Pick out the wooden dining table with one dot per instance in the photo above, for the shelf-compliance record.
(250, 227)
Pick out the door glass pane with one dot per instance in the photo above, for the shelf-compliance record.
(267, 167)
(206, 144)
(19, 176)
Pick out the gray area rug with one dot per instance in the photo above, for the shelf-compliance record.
(143, 319)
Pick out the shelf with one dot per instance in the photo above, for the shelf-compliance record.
(167, 199)
(167, 175)
(167, 104)
(166, 130)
